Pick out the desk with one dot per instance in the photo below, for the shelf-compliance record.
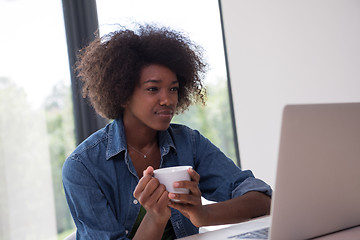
(348, 234)
(225, 231)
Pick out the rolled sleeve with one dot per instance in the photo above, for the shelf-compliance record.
(251, 184)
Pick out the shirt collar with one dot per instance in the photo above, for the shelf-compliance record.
(166, 141)
(117, 140)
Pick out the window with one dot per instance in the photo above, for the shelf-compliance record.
(36, 120)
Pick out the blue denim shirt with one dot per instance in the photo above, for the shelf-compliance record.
(99, 179)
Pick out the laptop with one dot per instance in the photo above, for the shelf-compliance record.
(317, 188)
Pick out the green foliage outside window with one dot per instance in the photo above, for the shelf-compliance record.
(60, 129)
(213, 120)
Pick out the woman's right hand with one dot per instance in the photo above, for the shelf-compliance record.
(153, 197)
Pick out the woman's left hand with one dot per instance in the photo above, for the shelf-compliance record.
(190, 204)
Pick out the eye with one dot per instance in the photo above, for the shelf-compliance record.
(152, 89)
(174, 89)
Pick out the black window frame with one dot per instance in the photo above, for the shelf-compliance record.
(81, 25)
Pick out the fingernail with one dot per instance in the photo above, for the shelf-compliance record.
(172, 195)
(176, 184)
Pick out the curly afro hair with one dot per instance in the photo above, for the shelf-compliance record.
(110, 67)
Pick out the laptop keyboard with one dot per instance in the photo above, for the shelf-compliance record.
(258, 234)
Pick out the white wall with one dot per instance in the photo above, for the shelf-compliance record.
(282, 52)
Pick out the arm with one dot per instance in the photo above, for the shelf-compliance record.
(251, 204)
(221, 181)
(154, 198)
(93, 215)
(243, 208)
(89, 207)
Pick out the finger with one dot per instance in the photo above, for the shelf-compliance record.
(183, 208)
(194, 175)
(157, 200)
(149, 190)
(160, 204)
(163, 198)
(148, 171)
(191, 185)
(176, 205)
(141, 185)
(158, 192)
(186, 199)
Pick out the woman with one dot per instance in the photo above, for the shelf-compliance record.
(140, 79)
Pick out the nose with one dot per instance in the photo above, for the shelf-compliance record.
(167, 98)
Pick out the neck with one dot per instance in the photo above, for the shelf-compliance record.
(140, 137)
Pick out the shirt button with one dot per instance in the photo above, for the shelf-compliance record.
(126, 232)
(135, 201)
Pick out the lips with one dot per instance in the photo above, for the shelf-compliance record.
(165, 112)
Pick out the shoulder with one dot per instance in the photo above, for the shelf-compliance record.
(183, 135)
(91, 149)
(93, 140)
(183, 130)
(86, 155)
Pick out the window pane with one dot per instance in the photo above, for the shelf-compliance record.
(201, 21)
(36, 120)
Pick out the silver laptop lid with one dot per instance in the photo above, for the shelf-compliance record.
(317, 188)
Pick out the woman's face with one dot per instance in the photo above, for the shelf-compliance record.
(154, 100)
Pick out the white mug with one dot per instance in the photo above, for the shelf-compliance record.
(169, 175)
